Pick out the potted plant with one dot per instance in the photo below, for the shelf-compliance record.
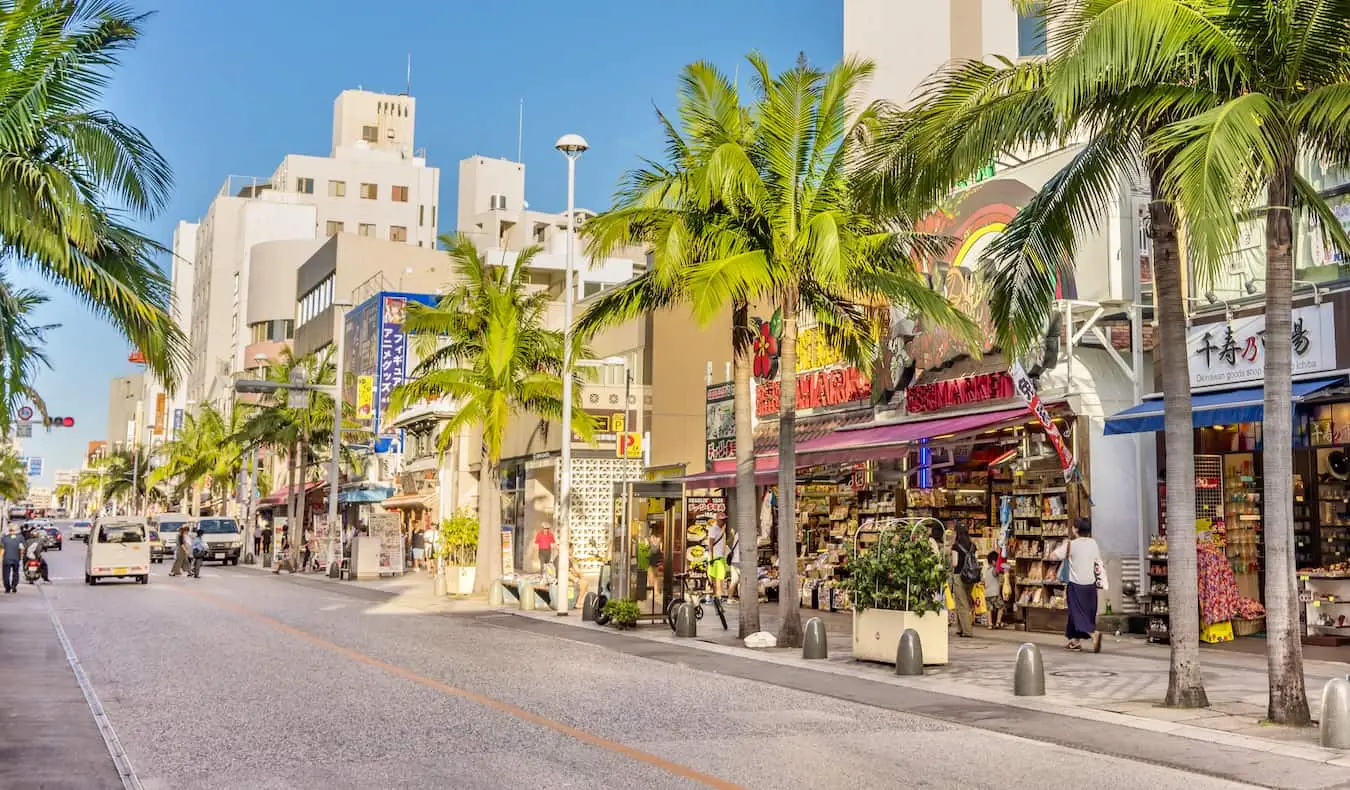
(457, 550)
(896, 583)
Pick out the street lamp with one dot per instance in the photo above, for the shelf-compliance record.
(572, 146)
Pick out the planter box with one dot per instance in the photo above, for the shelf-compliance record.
(876, 634)
(459, 579)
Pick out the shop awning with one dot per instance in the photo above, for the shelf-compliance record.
(854, 445)
(281, 497)
(1210, 408)
(410, 501)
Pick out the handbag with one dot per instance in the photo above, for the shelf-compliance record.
(1064, 566)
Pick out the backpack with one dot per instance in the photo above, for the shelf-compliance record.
(970, 567)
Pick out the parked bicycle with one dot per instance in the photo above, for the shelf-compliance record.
(691, 590)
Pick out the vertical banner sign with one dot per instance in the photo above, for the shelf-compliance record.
(365, 397)
(177, 422)
(1026, 390)
(393, 349)
(720, 423)
(161, 411)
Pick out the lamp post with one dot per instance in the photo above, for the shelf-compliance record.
(335, 558)
(572, 146)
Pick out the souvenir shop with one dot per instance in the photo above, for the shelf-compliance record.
(1227, 369)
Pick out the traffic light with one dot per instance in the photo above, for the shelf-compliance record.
(60, 422)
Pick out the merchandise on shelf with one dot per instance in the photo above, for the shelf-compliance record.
(1217, 586)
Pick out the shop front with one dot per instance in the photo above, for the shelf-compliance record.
(1227, 366)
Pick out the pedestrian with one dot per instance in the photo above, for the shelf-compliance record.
(199, 550)
(267, 539)
(993, 591)
(182, 552)
(545, 541)
(308, 549)
(965, 573)
(419, 548)
(13, 554)
(1086, 574)
(429, 537)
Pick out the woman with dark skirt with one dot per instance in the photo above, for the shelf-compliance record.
(1084, 560)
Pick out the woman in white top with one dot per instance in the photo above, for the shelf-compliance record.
(1084, 559)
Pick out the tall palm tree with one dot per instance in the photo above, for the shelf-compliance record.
(497, 361)
(126, 476)
(192, 455)
(786, 227)
(1271, 79)
(13, 477)
(22, 350)
(64, 163)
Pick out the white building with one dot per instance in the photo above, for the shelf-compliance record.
(373, 183)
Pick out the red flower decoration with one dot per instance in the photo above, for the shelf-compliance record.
(766, 351)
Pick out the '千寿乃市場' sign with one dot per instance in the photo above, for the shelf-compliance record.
(1233, 352)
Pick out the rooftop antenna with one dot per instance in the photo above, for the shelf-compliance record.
(408, 90)
(520, 130)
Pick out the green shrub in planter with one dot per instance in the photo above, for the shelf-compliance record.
(900, 572)
(622, 614)
(457, 543)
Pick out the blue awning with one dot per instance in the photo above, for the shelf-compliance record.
(1210, 408)
(364, 495)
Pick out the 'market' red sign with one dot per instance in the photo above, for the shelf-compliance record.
(815, 390)
(923, 398)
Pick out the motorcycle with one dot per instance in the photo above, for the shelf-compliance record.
(32, 571)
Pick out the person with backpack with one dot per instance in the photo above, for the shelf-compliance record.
(199, 552)
(965, 574)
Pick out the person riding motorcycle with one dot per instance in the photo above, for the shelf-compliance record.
(34, 548)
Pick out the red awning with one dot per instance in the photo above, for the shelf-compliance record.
(281, 497)
(860, 444)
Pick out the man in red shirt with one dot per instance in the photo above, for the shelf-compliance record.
(545, 541)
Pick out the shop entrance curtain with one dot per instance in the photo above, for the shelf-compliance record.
(1209, 408)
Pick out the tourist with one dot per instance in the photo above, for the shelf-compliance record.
(545, 541)
(965, 573)
(993, 591)
(1084, 560)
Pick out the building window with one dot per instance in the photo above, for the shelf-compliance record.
(1031, 32)
(335, 226)
(398, 233)
(433, 216)
(337, 189)
(399, 194)
(370, 191)
(304, 186)
(497, 202)
(421, 216)
(366, 229)
(370, 134)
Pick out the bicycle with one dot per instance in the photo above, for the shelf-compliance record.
(700, 596)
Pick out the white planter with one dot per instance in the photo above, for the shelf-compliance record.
(876, 634)
(459, 579)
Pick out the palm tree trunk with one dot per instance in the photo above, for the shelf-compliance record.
(747, 531)
(489, 566)
(1185, 685)
(789, 594)
(1288, 696)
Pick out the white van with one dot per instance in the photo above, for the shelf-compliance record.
(118, 549)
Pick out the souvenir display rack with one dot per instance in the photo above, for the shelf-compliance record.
(1242, 523)
(1159, 619)
(1040, 527)
(1325, 595)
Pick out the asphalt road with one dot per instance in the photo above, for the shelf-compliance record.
(243, 680)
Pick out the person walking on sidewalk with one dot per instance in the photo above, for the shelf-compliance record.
(545, 542)
(1083, 559)
(13, 553)
(965, 574)
(993, 591)
(182, 552)
(419, 548)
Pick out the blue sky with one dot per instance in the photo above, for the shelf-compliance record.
(229, 88)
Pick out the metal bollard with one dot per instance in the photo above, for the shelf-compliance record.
(588, 607)
(686, 620)
(815, 645)
(267, 559)
(495, 597)
(909, 654)
(1029, 674)
(1335, 726)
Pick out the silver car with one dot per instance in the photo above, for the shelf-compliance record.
(79, 530)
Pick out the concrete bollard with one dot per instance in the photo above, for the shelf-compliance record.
(909, 654)
(815, 645)
(267, 559)
(495, 597)
(528, 598)
(1029, 674)
(438, 586)
(686, 620)
(1335, 726)
(588, 607)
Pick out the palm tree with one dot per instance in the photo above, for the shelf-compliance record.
(64, 160)
(785, 226)
(497, 361)
(1270, 82)
(192, 455)
(13, 477)
(972, 113)
(22, 352)
(126, 476)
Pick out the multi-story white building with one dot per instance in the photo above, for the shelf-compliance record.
(372, 183)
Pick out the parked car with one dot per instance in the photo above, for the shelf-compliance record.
(79, 530)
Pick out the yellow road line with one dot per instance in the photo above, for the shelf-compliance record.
(669, 767)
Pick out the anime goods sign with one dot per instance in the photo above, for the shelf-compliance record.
(1234, 352)
(824, 378)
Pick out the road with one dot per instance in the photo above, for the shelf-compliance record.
(246, 680)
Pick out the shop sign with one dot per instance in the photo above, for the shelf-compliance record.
(161, 411)
(608, 426)
(719, 428)
(924, 398)
(393, 348)
(712, 507)
(628, 444)
(816, 390)
(1234, 351)
(365, 397)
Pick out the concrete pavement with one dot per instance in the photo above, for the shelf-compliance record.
(242, 679)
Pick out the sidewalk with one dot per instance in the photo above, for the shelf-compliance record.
(48, 737)
(411, 592)
(1123, 685)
